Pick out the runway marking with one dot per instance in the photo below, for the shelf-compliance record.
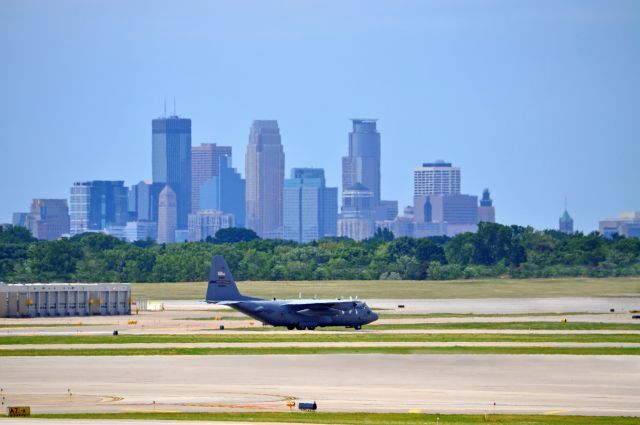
(150, 410)
(415, 411)
(556, 412)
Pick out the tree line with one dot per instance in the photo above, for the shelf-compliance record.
(494, 251)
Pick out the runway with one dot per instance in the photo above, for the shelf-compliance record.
(584, 385)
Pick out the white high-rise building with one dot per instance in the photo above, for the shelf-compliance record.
(167, 216)
(436, 178)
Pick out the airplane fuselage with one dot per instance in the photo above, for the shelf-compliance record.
(283, 313)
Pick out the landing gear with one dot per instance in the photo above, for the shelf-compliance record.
(300, 328)
(357, 327)
(290, 327)
(312, 328)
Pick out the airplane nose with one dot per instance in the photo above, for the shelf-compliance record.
(375, 316)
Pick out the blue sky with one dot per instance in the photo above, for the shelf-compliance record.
(533, 99)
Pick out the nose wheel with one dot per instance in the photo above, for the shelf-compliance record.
(357, 327)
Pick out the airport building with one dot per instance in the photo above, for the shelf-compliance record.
(64, 299)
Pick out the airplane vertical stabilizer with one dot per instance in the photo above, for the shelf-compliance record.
(221, 286)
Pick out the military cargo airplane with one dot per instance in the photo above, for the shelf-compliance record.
(294, 314)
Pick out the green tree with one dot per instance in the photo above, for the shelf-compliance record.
(235, 234)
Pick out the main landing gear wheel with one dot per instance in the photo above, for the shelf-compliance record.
(290, 327)
(300, 328)
(357, 327)
(312, 328)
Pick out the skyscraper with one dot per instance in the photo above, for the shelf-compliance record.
(48, 219)
(206, 223)
(19, 219)
(565, 224)
(205, 164)
(627, 224)
(225, 192)
(362, 165)
(98, 204)
(436, 178)
(143, 201)
(171, 161)
(167, 216)
(310, 208)
(264, 172)
(486, 210)
(356, 220)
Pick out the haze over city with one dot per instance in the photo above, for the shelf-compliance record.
(536, 101)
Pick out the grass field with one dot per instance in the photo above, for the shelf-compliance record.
(179, 351)
(524, 326)
(316, 337)
(466, 315)
(403, 289)
(358, 418)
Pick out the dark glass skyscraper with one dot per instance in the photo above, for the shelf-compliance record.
(171, 161)
(362, 165)
(98, 204)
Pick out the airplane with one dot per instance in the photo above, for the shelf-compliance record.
(294, 314)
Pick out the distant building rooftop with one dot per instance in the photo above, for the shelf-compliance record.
(438, 163)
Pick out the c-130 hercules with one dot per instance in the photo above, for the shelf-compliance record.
(294, 314)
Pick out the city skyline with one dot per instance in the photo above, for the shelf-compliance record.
(527, 100)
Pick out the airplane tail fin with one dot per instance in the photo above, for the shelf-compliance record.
(221, 286)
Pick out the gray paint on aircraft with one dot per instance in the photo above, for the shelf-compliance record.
(298, 314)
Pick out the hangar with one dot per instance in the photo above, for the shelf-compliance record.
(64, 299)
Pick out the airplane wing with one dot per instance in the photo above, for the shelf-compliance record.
(319, 307)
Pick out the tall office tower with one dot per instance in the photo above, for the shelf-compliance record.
(486, 210)
(98, 204)
(171, 160)
(310, 208)
(205, 164)
(225, 192)
(436, 178)
(167, 215)
(48, 219)
(264, 173)
(566, 222)
(19, 219)
(143, 201)
(362, 165)
(330, 212)
(356, 220)
(206, 223)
